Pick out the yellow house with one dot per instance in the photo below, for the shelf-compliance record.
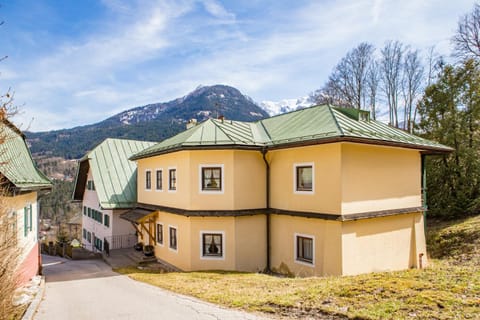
(319, 191)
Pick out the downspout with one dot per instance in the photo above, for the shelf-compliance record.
(424, 192)
(267, 204)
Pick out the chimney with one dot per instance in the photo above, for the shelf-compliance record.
(191, 123)
(221, 118)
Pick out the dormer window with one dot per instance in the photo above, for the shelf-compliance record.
(363, 115)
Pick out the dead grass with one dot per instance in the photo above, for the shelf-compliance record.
(448, 289)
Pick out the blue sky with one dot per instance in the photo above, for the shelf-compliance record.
(78, 62)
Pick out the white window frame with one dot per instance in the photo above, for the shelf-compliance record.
(176, 179)
(305, 263)
(202, 257)
(304, 164)
(145, 181)
(156, 180)
(222, 180)
(163, 235)
(176, 233)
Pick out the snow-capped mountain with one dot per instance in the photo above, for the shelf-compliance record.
(286, 105)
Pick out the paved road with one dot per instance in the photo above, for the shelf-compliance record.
(90, 290)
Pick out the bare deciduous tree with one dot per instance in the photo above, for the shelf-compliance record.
(467, 38)
(9, 253)
(391, 69)
(9, 248)
(411, 85)
(348, 81)
(373, 80)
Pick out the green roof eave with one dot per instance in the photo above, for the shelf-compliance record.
(307, 142)
(33, 187)
(186, 147)
(118, 205)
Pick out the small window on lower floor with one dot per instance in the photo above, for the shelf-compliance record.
(159, 233)
(212, 245)
(148, 180)
(304, 248)
(173, 238)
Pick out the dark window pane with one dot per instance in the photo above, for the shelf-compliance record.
(159, 179)
(148, 180)
(305, 249)
(212, 178)
(212, 245)
(304, 178)
(159, 233)
(172, 180)
(173, 238)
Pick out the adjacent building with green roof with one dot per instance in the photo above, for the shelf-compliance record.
(106, 185)
(319, 191)
(22, 184)
(16, 163)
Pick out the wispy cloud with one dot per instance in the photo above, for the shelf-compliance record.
(376, 10)
(217, 10)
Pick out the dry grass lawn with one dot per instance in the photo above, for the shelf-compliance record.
(448, 289)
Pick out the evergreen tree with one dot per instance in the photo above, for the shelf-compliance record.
(450, 114)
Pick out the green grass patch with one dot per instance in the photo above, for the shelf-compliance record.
(448, 289)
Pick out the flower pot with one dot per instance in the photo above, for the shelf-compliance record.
(148, 251)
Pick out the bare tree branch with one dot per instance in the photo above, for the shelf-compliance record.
(467, 39)
(348, 80)
(413, 72)
(391, 69)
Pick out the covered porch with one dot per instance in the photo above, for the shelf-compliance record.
(144, 223)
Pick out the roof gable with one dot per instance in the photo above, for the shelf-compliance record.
(113, 173)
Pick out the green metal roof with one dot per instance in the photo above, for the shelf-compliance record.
(115, 176)
(16, 162)
(210, 133)
(314, 125)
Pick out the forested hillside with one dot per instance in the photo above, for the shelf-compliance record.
(153, 122)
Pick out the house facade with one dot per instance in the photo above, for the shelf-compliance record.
(319, 191)
(106, 185)
(22, 185)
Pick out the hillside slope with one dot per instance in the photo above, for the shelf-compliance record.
(448, 289)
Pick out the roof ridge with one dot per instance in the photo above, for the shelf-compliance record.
(294, 111)
(219, 128)
(335, 120)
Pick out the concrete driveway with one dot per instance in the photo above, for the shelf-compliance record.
(89, 289)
